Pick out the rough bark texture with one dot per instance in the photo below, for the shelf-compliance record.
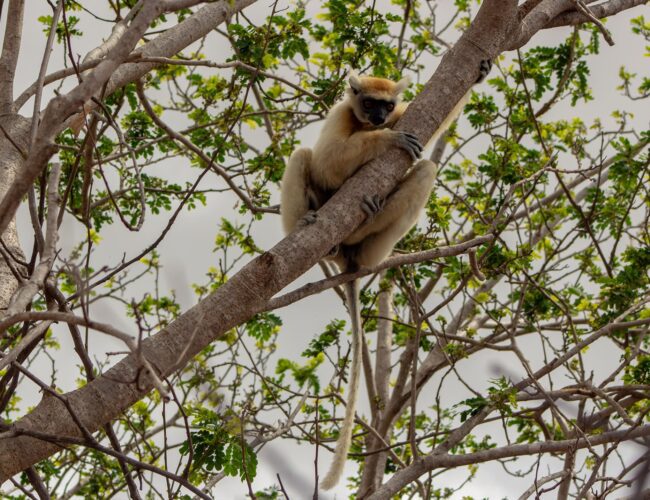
(17, 128)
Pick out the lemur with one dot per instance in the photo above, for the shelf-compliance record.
(356, 131)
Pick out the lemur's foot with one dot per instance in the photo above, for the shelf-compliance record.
(308, 219)
(484, 68)
(372, 205)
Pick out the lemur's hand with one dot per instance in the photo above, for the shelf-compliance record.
(408, 142)
(372, 205)
(308, 219)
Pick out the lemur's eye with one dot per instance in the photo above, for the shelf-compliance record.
(390, 106)
(367, 104)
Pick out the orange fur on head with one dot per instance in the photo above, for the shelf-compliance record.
(377, 88)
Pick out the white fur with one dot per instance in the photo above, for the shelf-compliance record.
(294, 195)
(403, 84)
(344, 441)
(354, 80)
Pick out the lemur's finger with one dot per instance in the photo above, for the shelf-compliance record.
(309, 218)
(484, 69)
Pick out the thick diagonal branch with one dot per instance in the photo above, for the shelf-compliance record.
(249, 290)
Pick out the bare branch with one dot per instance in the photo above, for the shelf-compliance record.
(580, 5)
(233, 64)
(95, 325)
(207, 161)
(23, 296)
(553, 13)
(600, 11)
(436, 461)
(474, 265)
(10, 52)
(396, 261)
(33, 334)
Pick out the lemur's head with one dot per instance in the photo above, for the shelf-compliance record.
(374, 99)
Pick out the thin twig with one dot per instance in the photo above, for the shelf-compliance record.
(580, 5)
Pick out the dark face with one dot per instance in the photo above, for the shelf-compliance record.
(377, 110)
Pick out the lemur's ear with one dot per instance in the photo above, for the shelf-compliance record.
(402, 85)
(355, 82)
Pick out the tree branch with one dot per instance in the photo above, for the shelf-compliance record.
(396, 261)
(24, 295)
(10, 51)
(599, 11)
(440, 457)
(431, 462)
(60, 108)
(540, 16)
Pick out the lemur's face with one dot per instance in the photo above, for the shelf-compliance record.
(374, 99)
(376, 111)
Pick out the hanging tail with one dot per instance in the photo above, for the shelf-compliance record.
(335, 472)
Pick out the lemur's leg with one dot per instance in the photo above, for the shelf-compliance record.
(377, 237)
(296, 191)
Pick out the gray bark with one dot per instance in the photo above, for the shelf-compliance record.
(10, 52)
(14, 133)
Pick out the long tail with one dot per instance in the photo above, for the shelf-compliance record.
(335, 472)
